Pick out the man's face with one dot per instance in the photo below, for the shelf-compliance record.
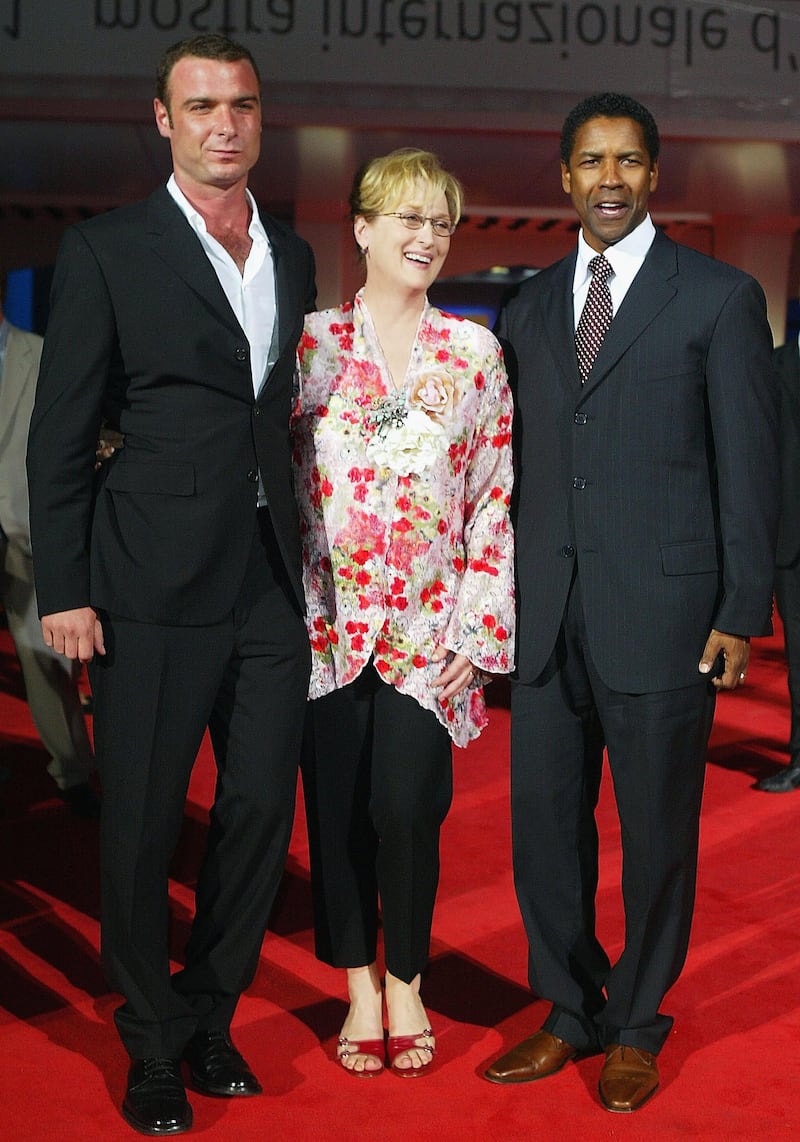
(609, 178)
(213, 122)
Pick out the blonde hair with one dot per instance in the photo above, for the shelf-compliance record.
(385, 181)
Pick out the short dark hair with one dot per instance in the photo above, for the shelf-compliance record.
(211, 46)
(609, 105)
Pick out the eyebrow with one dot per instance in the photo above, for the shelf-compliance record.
(633, 153)
(208, 99)
(421, 210)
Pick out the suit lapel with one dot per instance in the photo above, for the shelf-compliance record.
(286, 285)
(559, 322)
(175, 242)
(653, 287)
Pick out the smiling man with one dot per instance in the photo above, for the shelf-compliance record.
(176, 571)
(646, 506)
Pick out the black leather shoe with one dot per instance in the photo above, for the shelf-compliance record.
(81, 800)
(155, 1101)
(217, 1067)
(784, 781)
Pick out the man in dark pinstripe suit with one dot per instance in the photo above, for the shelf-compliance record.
(646, 511)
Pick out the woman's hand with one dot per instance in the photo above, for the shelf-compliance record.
(457, 675)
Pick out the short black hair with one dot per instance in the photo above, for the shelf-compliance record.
(211, 46)
(609, 105)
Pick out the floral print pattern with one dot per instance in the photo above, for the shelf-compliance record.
(405, 546)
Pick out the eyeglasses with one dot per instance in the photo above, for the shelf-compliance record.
(442, 227)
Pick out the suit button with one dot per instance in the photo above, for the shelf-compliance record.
(580, 418)
(568, 551)
(252, 476)
(257, 411)
(579, 483)
(240, 354)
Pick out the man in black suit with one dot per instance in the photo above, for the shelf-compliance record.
(786, 359)
(646, 505)
(176, 572)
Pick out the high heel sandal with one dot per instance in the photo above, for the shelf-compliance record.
(371, 1047)
(398, 1044)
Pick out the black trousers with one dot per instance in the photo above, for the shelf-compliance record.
(155, 691)
(787, 593)
(656, 746)
(377, 775)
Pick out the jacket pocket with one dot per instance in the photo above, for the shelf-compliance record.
(152, 478)
(690, 558)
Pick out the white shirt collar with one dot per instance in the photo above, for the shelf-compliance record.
(198, 223)
(625, 256)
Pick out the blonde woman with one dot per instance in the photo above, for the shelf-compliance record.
(403, 474)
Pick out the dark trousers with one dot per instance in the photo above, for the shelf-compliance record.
(656, 750)
(377, 775)
(787, 593)
(156, 690)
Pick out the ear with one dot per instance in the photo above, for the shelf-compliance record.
(361, 230)
(162, 118)
(566, 182)
(654, 175)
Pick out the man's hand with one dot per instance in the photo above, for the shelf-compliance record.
(108, 443)
(75, 634)
(735, 652)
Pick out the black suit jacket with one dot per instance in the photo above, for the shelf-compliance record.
(659, 476)
(786, 359)
(141, 333)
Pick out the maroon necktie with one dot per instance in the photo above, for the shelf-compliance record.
(596, 316)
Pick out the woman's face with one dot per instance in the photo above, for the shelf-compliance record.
(401, 258)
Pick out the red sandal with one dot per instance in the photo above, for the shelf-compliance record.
(371, 1047)
(398, 1044)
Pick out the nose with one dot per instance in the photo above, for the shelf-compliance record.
(610, 174)
(225, 125)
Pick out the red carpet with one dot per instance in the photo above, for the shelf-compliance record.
(729, 1071)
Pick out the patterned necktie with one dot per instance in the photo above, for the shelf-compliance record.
(596, 316)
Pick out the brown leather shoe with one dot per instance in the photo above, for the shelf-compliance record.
(535, 1058)
(629, 1077)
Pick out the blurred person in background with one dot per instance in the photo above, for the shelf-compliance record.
(51, 681)
(786, 359)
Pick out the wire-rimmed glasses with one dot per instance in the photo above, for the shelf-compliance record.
(442, 227)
